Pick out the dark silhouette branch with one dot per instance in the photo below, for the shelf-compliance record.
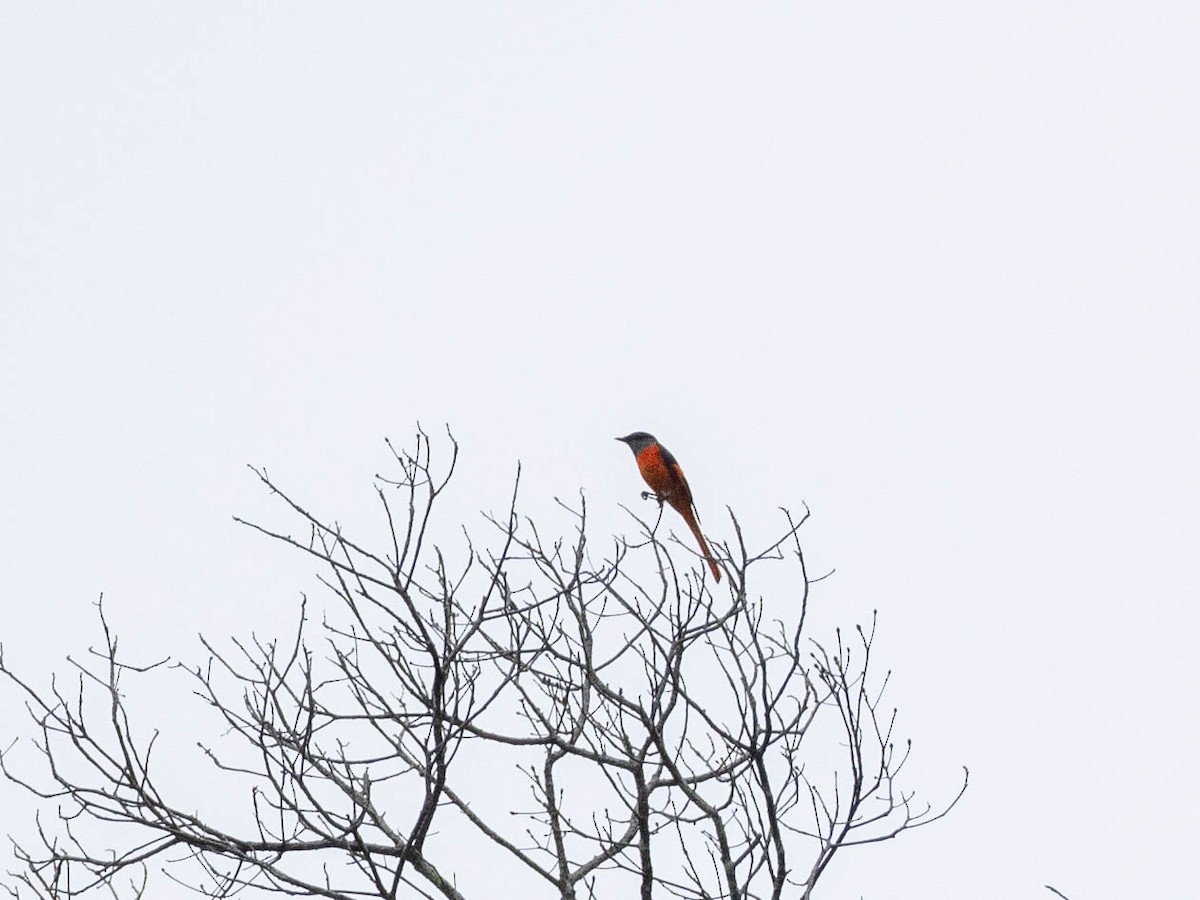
(662, 731)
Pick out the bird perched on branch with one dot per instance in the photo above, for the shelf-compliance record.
(661, 471)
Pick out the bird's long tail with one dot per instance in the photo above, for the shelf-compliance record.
(690, 517)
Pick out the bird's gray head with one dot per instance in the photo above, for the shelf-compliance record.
(638, 441)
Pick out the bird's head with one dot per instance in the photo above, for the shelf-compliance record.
(638, 441)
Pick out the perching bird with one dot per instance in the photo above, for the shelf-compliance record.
(661, 471)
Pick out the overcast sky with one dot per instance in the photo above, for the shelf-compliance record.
(932, 268)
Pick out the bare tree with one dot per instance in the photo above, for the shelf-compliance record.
(669, 741)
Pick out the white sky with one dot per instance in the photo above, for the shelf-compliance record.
(931, 267)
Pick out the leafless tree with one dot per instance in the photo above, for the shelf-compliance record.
(668, 740)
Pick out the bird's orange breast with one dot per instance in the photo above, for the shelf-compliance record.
(661, 472)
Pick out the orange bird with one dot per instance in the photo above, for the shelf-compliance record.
(661, 471)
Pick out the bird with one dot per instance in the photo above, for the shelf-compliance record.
(661, 471)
